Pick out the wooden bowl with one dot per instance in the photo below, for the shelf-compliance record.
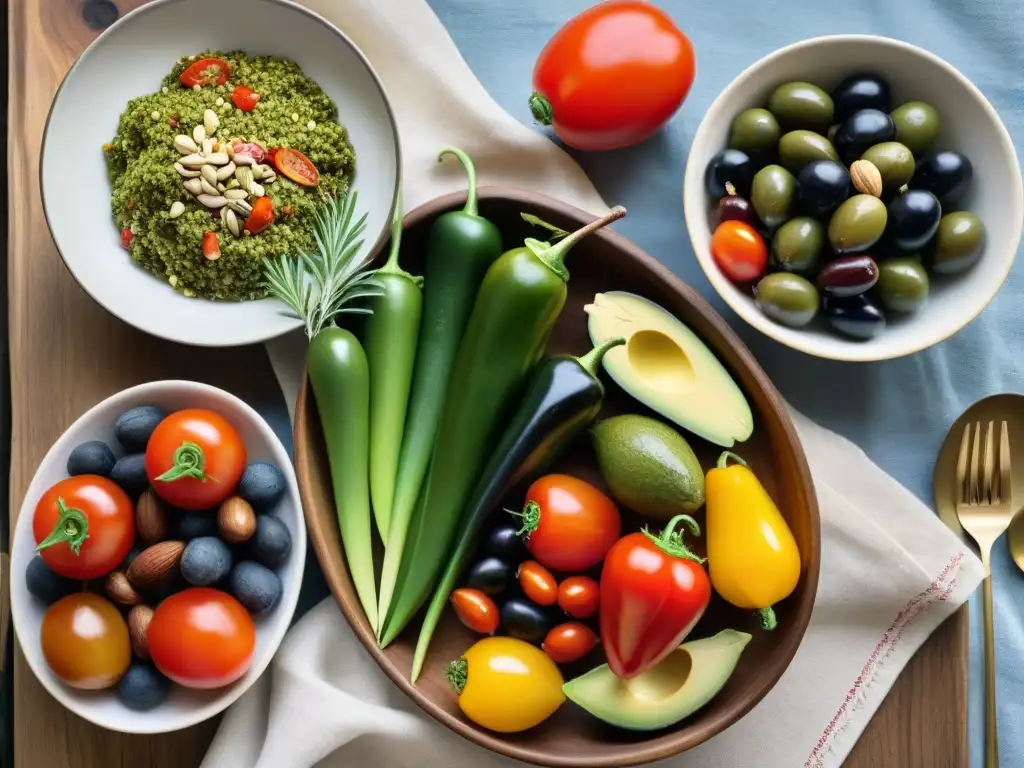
(572, 738)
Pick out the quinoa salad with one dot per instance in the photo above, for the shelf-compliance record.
(224, 165)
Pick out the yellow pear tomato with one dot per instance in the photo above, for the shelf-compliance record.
(506, 685)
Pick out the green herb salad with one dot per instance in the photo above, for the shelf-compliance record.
(226, 164)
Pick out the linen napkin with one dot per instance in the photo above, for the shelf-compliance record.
(325, 703)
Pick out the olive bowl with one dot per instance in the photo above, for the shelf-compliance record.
(969, 125)
(571, 738)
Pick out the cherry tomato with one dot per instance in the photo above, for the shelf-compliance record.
(612, 75)
(84, 526)
(126, 238)
(201, 638)
(296, 166)
(476, 610)
(569, 524)
(85, 641)
(245, 98)
(580, 597)
(205, 72)
(569, 642)
(538, 584)
(739, 251)
(262, 215)
(194, 459)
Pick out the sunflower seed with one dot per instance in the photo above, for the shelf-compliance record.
(259, 171)
(218, 158)
(209, 173)
(231, 221)
(226, 171)
(193, 186)
(244, 176)
(208, 188)
(240, 207)
(241, 158)
(270, 178)
(221, 188)
(210, 122)
(256, 189)
(233, 184)
(188, 174)
(199, 133)
(177, 208)
(194, 161)
(236, 194)
(212, 201)
(185, 145)
(207, 149)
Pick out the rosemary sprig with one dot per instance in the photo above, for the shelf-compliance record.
(318, 285)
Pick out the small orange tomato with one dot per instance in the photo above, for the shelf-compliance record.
(476, 610)
(739, 251)
(296, 166)
(245, 98)
(537, 582)
(580, 597)
(85, 641)
(262, 215)
(569, 642)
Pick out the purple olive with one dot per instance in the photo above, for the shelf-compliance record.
(848, 276)
(734, 208)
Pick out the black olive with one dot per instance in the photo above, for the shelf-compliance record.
(861, 91)
(504, 542)
(134, 427)
(491, 575)
(913, 219)
(130, 473)
(93, 457)
(524, 620)
(862, 130)
(822, 185)
(947, 175)
(858, 317)
(729, 166)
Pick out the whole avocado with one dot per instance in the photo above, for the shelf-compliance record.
(649, 467)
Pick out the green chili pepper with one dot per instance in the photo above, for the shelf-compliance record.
(461, 245)
(391, 336)
(515, 311)
(563, 397)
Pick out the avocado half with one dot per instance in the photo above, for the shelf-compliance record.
(679, 685)
(667, 368)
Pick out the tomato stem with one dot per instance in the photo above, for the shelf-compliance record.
(72, 528)
(670, 541)
(189, 461)
(458, 675)
(530, 517)
(767, 616)
(723, 460)
(541, 108)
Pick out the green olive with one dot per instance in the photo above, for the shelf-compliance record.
(754, 130)
(894, 161)
(902, 284)
(787, 298)
(798, 244)
(802, 105)
(958, 243)
(917, 125)
(857, 224)
(772, 194)
(798, 148)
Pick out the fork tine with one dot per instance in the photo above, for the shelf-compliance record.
(989, 480)
(962, 489)
(1005, 478)
(973, 492)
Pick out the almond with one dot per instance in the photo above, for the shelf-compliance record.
(138, 626)
(120, 589)
(150, 518)
(866, 178)
(156, 565)
(236, 520)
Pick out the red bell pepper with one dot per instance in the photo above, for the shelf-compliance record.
(653, 592)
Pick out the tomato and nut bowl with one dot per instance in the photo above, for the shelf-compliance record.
(163, 507)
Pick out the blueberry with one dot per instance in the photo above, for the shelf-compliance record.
(262, 485)
(205, 560)
(271, 543)
(91, 458)
(44, 584)
(130, 473)
(256, 587)
(134, 427)
(142, 688)
(191, 524)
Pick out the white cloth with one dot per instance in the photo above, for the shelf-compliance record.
(890, 571)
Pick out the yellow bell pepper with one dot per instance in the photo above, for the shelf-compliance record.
(753, 559)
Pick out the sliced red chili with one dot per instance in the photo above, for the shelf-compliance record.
(126, 238)
(262, 215)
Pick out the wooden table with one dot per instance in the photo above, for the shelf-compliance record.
(66, 354)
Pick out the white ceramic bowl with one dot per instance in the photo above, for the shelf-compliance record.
(130, 59)
(183, 707)
(970, 125)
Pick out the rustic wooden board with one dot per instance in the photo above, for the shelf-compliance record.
(67, 354)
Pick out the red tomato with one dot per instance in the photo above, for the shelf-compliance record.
(612, 75)
(85, 641)
(194, 459)
(126, 238)
(245, 98)
(476, 610)
(739, 251)
(538, 584)
(296, 166)
(84, 526)
(262, 215)
(205, 72)
(201, 638)
(569, 524)
(653, 592)
(580, 597)
(569, 642)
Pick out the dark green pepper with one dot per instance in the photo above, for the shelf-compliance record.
(563, 397)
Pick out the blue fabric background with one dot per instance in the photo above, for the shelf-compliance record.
(897, 411)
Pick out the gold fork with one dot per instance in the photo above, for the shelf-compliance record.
(985, 511)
